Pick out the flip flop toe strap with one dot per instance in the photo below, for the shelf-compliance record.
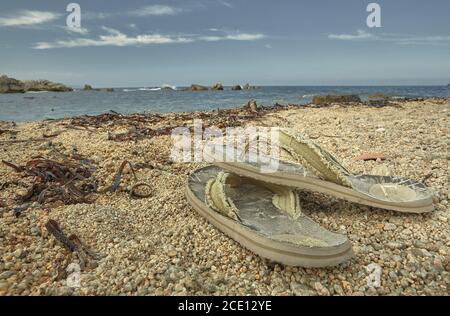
(284, 198)
(314, 158)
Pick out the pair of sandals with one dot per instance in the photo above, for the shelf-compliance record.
(261, 210)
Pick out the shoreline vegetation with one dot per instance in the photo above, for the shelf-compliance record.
(101, 191)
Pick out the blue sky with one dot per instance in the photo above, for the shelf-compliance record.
(286, 42)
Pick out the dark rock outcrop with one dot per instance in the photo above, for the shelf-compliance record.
(328, 99)
(45, 85)
(217, 86)
(88, 87)
(249, 87)
(197, 87)
(11, 85)
(167, 87)
(236, 88)
(105, 90)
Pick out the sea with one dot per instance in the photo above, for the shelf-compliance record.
(52, 105)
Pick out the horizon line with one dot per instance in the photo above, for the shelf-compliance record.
(272, 85)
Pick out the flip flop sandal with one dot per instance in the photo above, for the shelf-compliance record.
(317, 170)
(264, 218)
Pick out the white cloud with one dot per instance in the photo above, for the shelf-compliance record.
(233, 37)
(268, 46)
(436, 40)
(156, 9)
(28, 17)
(244, 37)
(114, 38)
(78, 30)
(97, 15)
(225, 4)
(117, 38)
(211, 38)
(150, 10)
(360, 34)
(394, 38)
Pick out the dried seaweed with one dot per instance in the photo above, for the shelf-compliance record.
(53, 227)
(148, 125)
(71, 243)
(138, 133)
(10, 131)
(118, 176)
(56, 181)
(134, 192)
(17, 141)
(17, 211)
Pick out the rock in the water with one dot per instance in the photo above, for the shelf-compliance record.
(249, 87)
(11, 85)
(327, 99)
(45, 85)
(88, 87)
(217, 86)
(236, 88)
(196, 87)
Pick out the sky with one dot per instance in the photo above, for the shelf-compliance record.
(263, 42)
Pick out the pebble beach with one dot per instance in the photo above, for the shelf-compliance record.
(156, 244)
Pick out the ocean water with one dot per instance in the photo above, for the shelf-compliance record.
(46, 105)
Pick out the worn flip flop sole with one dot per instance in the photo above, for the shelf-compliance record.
(283, 252)
(295, 180)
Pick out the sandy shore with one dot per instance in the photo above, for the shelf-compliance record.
(158, 245)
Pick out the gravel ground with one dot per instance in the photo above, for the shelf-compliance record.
(160, 246)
